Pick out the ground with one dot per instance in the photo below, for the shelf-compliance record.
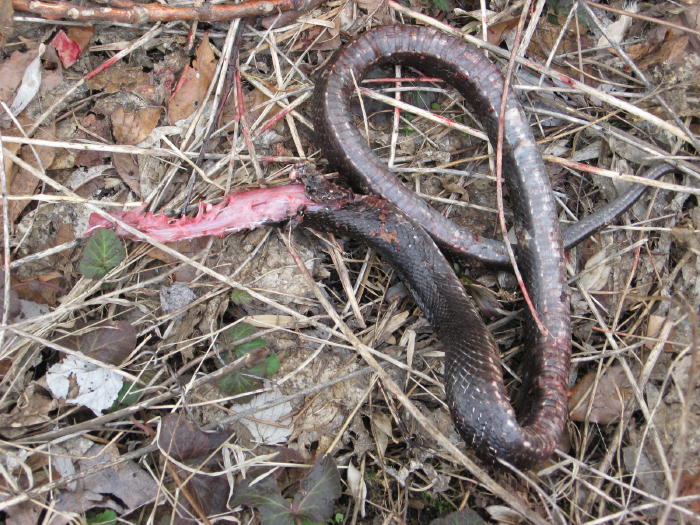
(270, 375)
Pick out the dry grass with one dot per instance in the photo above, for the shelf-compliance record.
(359, 367)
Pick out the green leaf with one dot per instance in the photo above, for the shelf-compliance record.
(239, 297)
(436, 106)
(107, 517)
(272, 365)
(235, 383)
(128, 395)
(319, 490)
(305, 521)
(103, 252)
(245, 348)
(266, 497)
(442, 5)
(237, 332)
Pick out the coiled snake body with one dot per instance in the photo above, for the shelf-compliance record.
(474, 382)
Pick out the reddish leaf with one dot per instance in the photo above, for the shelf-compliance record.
(183, 441)
(109, 342)
(67, 50)
(193, 84)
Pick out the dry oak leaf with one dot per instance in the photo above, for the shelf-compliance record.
(119, 77)
(193, 84)
(132, 128)
(21, 182)
(610, 394)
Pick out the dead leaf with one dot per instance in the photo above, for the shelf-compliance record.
(44, 289)
(690, 486)
(11, 71)
(21, 182)
(548, 35)
(95, 128)
(32, 408)
(132, 128)
(119, 77)
(31, 82)
(79, 382)
(6, 22)
(14, 307)
(109, 342)
(496, 32)
(183, 441)
(271, 425)
(124, 487)
(81, 35)
(193, 84)
(25, 513)
(128, 170)
(612, 391)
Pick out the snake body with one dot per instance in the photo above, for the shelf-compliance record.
(474, 383)
(404, 230)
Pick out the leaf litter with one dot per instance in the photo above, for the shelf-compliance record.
(137, 382)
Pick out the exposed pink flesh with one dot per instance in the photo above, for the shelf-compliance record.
(238, 211)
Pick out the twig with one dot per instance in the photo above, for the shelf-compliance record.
(650, 19)
(662, 102)
(4, 182)
(135, 13)
(556, 75)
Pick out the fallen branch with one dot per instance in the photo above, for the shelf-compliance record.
(130, 12)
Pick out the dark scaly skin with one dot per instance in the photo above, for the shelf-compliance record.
(605, 216)
(473, 376)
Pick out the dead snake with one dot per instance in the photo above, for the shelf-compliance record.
(474, 383)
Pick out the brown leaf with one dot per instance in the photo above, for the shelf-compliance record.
(128, 170)
(94, 128)
(189, 248)
(11, 73)
(547, 36)
(690, 486)
(32, 408)
(119, 77)
(25, 513)
(6, 22)
(14, 305)
(132, 128)
(496, 32)
(43, 289)
(612, 391)
(124, 487)
(20, 182)
(182, 440)
(670, 51)
(109, 342)
(193, 84)
(81, 35)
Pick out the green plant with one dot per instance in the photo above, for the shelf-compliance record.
(103, 252)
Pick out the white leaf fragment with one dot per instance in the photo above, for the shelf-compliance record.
(31, 82)
(280, 424)
(97, 390)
